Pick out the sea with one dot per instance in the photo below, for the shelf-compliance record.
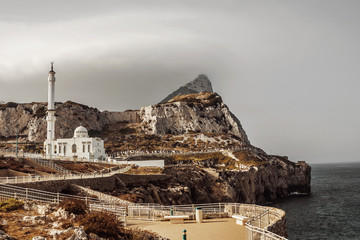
(332, 210)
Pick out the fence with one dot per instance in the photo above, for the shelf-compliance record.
(28, 194)
(51, 164)
(52, 177)
(260, 217)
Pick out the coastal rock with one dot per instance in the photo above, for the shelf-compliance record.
(186, 185)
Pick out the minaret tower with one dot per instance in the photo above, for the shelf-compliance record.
(51, 109)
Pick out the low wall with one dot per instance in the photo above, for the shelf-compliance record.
(279, 225)
(127, 116)
(101, 196)
(105, 184)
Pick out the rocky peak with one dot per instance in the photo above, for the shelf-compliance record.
(192, 113)
(200, 84)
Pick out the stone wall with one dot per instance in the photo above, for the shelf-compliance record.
(132, 116)
(105, 184)
(102, 196)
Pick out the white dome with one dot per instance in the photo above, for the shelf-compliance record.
(81, 132)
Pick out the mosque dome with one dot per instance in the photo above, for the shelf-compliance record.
(81, 132)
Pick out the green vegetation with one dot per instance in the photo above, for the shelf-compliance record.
(11, 205)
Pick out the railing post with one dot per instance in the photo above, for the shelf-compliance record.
(184, 234)
(220, 209)
(58, 198)
(26, 193)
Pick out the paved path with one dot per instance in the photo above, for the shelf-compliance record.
(210, 229)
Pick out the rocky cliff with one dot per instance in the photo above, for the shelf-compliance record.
(199, 84)
(191, 113)
(185, 185)
(31, 118)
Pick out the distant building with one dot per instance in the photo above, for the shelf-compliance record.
(80, 146)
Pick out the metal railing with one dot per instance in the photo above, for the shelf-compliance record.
(51, 164)
(53, 177)
(260, 217)
(29, 194)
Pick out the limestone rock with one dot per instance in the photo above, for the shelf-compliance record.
(192, 113)
(199, 84)
(34, 219)
(38, 238)
(4, 236)
(79, 234)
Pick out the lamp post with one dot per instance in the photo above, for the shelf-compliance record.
(17, 137)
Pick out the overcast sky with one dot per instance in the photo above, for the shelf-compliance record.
(287, 69)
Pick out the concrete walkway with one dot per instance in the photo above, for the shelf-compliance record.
(210, 229)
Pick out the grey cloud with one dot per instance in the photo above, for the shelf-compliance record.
(287, 69)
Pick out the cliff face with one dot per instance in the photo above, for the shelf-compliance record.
(192, 113)
(31, 118)
(186, 185)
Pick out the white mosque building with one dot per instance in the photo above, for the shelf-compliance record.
(80, 146)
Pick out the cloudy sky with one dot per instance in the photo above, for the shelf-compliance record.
(287, 69)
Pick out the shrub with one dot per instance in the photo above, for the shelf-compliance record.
(66, 225)
(75, 206)
(11, 205)
(102, 224)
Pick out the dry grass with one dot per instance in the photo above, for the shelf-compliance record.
(145, 170)
(23, 165)
(11, 205)
(21, 230)
(83, 167)
(130, 197)
(249, 159)
(217, 158)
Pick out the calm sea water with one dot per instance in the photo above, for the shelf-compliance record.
(332, 211)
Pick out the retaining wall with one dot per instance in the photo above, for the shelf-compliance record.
(278, 227)
(99, 184)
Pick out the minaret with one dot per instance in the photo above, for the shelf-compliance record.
(51, 107)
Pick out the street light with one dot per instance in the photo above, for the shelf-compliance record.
(17, 136)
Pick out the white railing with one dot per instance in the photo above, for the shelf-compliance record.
(53, 177)
(51, 164)
(28, 194)
(260, 217)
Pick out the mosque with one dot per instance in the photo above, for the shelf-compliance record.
(80, 146)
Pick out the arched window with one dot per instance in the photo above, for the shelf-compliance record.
(74, 148)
